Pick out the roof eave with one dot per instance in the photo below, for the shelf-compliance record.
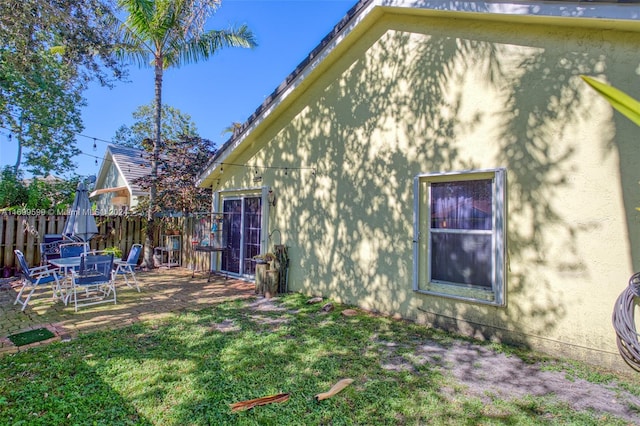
(604, 15)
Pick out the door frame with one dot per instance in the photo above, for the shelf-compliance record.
(242, 193)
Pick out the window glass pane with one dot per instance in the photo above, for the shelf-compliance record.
(461, 205)
(461, 258)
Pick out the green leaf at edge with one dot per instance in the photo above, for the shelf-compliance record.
(624, 103)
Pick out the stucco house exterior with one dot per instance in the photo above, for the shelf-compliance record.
(444, 162)
(116, 190)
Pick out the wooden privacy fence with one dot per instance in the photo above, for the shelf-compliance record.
(26, 232)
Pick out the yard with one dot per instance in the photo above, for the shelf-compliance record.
(186, 368)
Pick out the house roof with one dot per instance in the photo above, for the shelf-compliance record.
(131, 164)
(618, 14)
(48, 178)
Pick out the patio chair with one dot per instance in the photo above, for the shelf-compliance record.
(94, 282)
(73, 249)
(49, 250)
(33, 278)
(127, 267)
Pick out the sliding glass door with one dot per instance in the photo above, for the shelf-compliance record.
(244, 224)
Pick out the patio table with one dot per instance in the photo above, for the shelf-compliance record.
(66, 265)
(210, 250)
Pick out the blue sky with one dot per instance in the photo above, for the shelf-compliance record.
(225, 89)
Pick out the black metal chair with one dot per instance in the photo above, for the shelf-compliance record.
(49, 250)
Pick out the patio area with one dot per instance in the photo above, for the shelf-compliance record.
(162, 292)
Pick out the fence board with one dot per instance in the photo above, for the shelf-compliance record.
(8, 243)
(25, 233)
(3, 228)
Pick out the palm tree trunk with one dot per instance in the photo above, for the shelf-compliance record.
(153, 189)
(16, 166)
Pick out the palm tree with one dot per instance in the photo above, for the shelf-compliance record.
(164, 34)
(234, 129)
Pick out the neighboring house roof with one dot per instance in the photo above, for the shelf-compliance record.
(131, 164)
(49, 179)
(605, 14)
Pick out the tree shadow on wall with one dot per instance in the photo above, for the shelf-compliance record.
(394, 113)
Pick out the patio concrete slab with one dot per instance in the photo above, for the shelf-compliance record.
(163, 291)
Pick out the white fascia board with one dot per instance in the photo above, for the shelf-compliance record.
(563, 9)
(289, 89)
(124, 177)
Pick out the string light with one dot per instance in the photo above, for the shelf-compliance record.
(95, 147)
(256, 168)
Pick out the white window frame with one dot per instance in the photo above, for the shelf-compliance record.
(422, 282)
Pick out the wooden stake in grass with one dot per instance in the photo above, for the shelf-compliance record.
(334, 389)
(249, 404)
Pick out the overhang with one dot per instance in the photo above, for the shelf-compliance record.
(607, 15)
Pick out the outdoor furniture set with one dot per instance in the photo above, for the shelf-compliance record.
(78, 274)
(70, 268)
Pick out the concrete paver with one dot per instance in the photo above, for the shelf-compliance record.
(163, 291)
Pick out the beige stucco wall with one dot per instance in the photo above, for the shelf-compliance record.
(414, 95)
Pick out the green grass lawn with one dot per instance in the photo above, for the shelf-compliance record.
(187, 369)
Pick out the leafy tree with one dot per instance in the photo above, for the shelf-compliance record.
(12, 190)
(38, 194)
(178, 172)
(42, 110)
(175, 123)
(56, 195)
(80, 32)
(170, 33)
(50, 49)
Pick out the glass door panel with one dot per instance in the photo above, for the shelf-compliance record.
(243, 220)
(251, 236)
(232, 210)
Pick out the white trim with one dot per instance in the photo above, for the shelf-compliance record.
(266, 208)
(560, 9)
(107, 190)
(221, 195)
(498, 243)
(416, 232)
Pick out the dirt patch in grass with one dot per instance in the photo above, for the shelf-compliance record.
(226, 326)
(477, 370)
(262, 304)
(486, 374)
(260, 309)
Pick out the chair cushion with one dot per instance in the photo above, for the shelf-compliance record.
(43, 280)
(91, 279)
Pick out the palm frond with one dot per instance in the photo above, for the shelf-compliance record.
(205, 46)
(624, 103)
